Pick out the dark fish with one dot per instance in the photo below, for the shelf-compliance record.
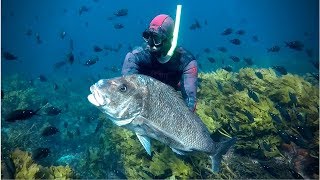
(9, 56)
(52, 111)
(55, 86)
(240, 32)
(301, 117)
(62, 34)
(238, 86)
(253, 95)
(305, 132)
(97, 48)
(40, 153)
(50, 130)
(258, 74)
(298, 141)
(293, 99)
(227, 31)
(295, 175)
(266, 146)
(309, 52)
(38, 39)
(195, 25)
(227, 68)
(83, 9)
(295, 45)
(207, 50)
(21, 114)
(121, 12)
(42, 78)
(235, 41)
(220, 87)
(275, 118)
(118, 26)
(248, 60)
(249, 116)
(70, 58)
(59, 64)
(315, 75)
(280, 69)
(284, 136)
(90, 62)
(255, 38)
(274, 49)
(222, 49)
(235, 58)
(211, 59)
(28, 32)
(284, 113)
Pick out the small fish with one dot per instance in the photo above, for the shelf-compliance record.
(315, 64)
(222, 49)
(83, 9)
(227, 68)
(280, 69)
(315, 75)
(97, 48)
(275, 118)
(70, 58)
(248, 60)
(258, 74)
(90, 62)
(9, 56)
(52, 111)
(118, 26)
(241, 32)
(301, 117)
(227, 31)
(50, 130)
(211, 59)
(305, 132)
(28, 32)
(255, 38)
(235, 58)
(21, 114)
(238, 86)
(42, 78)
(284, 136)
(195, 25)
(62, 34)
(274, 49)
(253, 95)
(220, 87)
(284, 113)
(295, 45)
(249, 116)
(40, 153)
(121, 12)
(299, 141)
(207, 50)
(293, 99)
(235, 41)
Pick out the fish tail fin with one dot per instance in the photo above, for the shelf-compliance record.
(221, 149)
(36, 111)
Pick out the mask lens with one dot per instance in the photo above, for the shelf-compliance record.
(146, 35)
(157, 40)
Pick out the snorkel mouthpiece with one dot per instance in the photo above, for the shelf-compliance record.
(174, 38)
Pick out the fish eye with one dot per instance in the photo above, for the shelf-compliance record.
(123, 88)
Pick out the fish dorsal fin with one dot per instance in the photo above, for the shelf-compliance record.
(178, 151)
(145, 141)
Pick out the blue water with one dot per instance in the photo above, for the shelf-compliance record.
(272, 21)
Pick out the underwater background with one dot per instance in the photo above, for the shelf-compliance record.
(258, 81)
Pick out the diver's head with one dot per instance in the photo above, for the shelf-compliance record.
(159, 35)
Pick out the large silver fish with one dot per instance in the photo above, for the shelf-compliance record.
(155, 110)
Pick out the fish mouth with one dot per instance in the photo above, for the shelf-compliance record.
(96, 98)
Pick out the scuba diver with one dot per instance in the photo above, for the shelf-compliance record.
(177, 69)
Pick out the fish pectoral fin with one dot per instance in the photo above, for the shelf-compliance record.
(145, 141)
(177, 151)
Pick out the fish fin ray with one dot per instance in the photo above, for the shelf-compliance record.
(145, 141)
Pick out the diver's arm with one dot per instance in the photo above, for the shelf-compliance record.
(130, 64)
(189, 85)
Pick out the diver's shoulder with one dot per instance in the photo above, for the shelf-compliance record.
(185, 53)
